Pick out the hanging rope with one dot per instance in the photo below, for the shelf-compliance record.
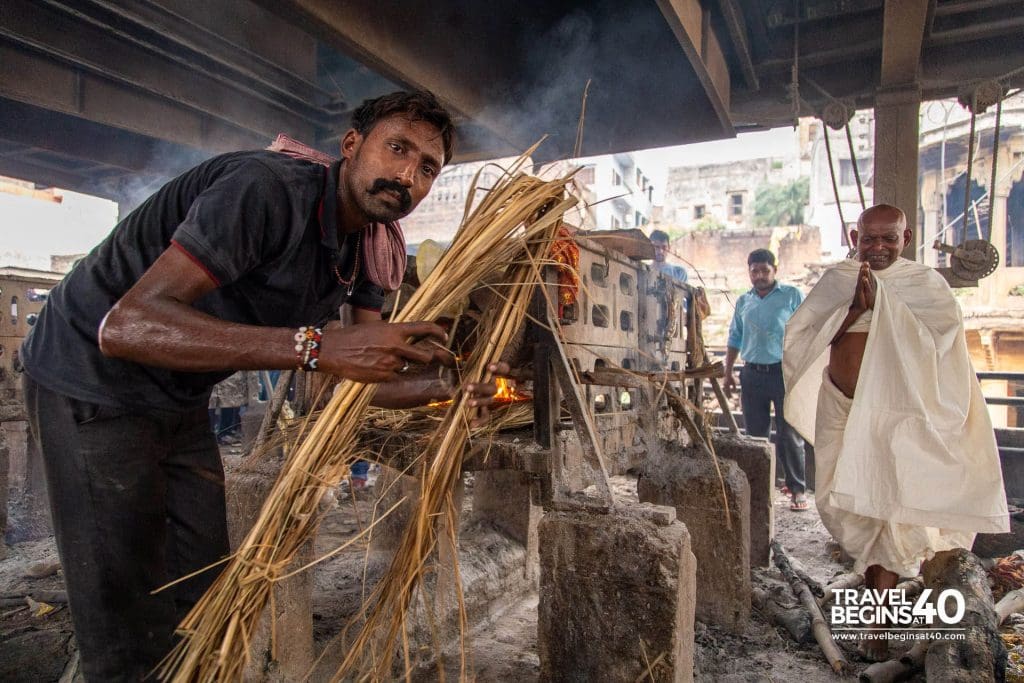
(835, 185)
(970, 167)
(836, 114)
(794, 74)
(856, 170)
(995, 161)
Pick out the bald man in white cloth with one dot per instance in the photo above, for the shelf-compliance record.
(878, 378)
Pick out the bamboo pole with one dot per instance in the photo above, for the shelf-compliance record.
(819, 627)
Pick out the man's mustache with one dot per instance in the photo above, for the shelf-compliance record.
(404, 198)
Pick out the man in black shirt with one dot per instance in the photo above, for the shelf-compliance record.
(234, 265)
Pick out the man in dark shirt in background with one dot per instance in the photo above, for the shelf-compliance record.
(236, 264)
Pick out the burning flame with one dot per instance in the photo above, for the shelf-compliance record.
(506, 393)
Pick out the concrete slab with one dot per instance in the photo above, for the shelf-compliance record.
(617, 595)
(756, 457)
(293, 597)
(689, 482)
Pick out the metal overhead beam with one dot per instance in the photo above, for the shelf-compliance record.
(355, 28)
(77, 139)
(67, 89)
(820, 58)
(167, 31)
(950, 8)
(982, 31)
(691, 26)
(90, 50)
(738, 33)
(903, 31)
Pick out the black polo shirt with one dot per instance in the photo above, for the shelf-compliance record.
(261, 224)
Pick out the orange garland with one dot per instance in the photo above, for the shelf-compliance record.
(566, 253)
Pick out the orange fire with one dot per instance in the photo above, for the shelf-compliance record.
(506, 393)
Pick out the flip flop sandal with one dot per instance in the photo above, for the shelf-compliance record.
(799, 504)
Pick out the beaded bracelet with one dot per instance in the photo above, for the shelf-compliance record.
(307, 347)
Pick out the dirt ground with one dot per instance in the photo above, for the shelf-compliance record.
(40, 647)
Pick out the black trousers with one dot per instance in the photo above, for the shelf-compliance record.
(762, 387)
(137, 501)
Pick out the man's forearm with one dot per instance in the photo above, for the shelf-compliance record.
(731, 353)
(415, 391)
(173, 335)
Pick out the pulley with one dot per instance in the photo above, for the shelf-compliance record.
(836, 114)
(978, 98)
(971, 260)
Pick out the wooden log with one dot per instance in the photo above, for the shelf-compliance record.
(897, 669)
(819, 627)
(841, 582)
(797, 622)
(18, 597)
(911, 587)
(723, 403)
(981, 655)
(1011, 603)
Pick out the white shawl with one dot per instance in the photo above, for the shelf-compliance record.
(918, 446)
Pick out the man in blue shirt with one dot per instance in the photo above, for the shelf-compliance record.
(659, 239)
(756, 334)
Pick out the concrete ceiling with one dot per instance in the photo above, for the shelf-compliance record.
(113, 96)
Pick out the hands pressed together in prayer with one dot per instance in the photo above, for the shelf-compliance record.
(864, 294)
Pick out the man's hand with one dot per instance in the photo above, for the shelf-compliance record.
(482, 394)
(375, 351)
(429, 386)
(864, 294)
(728, 381)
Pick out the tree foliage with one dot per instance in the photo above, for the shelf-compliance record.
(782, 204)
(708, 223)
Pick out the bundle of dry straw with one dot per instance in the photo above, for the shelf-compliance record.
(512, 229)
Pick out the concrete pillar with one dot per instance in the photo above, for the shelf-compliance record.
(617, 595)
(756, 457)
(446, 594)
(29, 509)
(507, 501)
(391, 487)
(689, 482)
(896, 131)
(293, 597)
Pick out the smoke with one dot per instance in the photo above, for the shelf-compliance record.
(642, 86)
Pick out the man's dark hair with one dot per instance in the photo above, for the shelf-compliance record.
(419, 105)
(659, 236)
(761, 256)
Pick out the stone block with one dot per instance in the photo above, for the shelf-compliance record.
(293, 597)
(1000, 545)
(391, 487)
(28, 503)
(687, 480)
(756, 457)
(615, 589)
(505, 500)
(252, 419)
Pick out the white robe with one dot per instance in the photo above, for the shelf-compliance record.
(909, 466)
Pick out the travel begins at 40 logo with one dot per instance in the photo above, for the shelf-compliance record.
(853, 609)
